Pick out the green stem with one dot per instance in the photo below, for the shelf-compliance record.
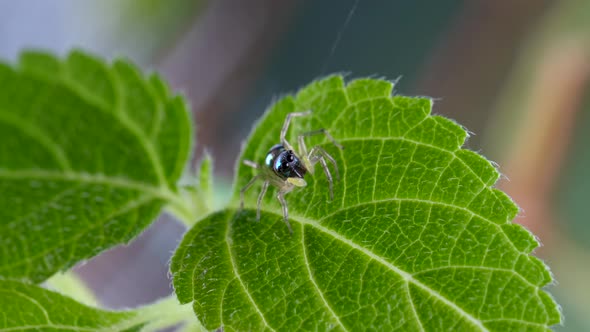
(183, 213)
(166, 312)
(70, 284)
(194, 326)
(189, 206)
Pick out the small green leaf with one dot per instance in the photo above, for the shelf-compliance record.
(206, 178)
(89, 154)
(26, 307)
(197, 191)
(415, 239)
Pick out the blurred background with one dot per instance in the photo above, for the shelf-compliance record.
(515, 73)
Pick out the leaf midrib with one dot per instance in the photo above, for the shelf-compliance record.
(162, 192)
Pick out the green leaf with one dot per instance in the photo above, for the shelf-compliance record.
(206, 178)
(29, 307)
(90, 153)
(415, 239)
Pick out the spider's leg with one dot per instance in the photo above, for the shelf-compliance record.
(329, 176)
(260, 197)
(307, 156)
(303, 153)
(286, 127)
(318, 150)
(318, 157)
(322, 131)
(250, 163)
(318, 154)
(281, 198)
(245, 188)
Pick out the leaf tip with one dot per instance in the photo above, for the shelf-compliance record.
(38, 62)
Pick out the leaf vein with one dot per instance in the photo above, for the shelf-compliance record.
(237, 275)
(118, 114)
(312, 279)
(405, 275)
(32, 131)
(135, 129)
(33, 301)
(424, 201)
(48, 202)
(131, 205)
(411, 301)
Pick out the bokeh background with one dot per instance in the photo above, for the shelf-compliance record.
(515, 73)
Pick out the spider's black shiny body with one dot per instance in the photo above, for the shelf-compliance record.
(285, 169)
(284, 163)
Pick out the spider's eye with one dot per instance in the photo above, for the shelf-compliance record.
(290, 157)
(283, 166)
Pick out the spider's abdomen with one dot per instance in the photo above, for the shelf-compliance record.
(284, 163)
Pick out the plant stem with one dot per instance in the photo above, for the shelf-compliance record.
(160, 314)
(183, 213)
(70, 284)
(190, 205)
(166, 312)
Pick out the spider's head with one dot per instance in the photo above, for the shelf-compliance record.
(286, 165)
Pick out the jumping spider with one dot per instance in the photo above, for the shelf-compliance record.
(285, 169)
